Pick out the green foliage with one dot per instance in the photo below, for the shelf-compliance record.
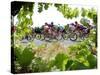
(84, 60)
(39, 65)
(46, 5)
(67, 11)
(17, 52)
(92, 61)
(24, 20)
(84, 12)
(25, 58)
(68, 65)
(93, 15)
(60, 61)
(76, 12)
(78, 66)
(42, 6)
(58, 6)
(70, 13)
(84, 21)
(83, 56)
(95, 19)
(90, 13)
(93, 36)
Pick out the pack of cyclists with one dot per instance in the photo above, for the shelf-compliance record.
(50, 29)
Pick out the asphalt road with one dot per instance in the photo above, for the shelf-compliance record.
(40, 42)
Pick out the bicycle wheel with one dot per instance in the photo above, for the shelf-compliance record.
(65, 36)
(42, 37)
(73, 36)
(33, 36)
(83, 36)
(29, 37)
(38, 36)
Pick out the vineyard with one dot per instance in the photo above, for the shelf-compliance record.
(52, 55)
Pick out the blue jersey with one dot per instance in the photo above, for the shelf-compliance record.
(82, 27)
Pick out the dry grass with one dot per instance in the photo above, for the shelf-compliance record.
(48, 51)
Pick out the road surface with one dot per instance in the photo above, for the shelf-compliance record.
(40, 42)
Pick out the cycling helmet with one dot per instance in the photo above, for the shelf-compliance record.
(51, 23)
(76, 22)
(46, 23)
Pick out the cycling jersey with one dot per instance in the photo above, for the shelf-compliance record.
(61, 28)
(82, 27)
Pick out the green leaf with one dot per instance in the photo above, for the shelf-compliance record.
(84, 21)
(25, 58)
(39, 65)
(60, 61)
(46, 5)
(92, 61)
(84, 12)
(40, 7)
(68, 65)
(17, 52)
(95, 19)
(78, 66)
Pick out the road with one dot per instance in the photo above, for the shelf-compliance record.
(40, 42)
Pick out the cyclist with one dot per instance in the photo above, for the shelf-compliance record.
(46, 27)
(77, 26)
(61, 28)
(52, 24)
